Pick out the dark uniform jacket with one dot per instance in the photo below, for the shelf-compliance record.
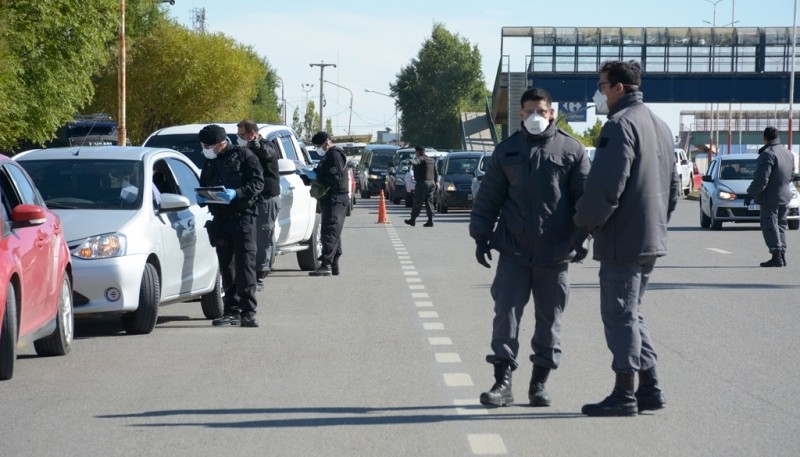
(332, 171)
(268, 158)
(633, 186)
(531, 185)
(774, 169)
(235, 168)
(424, 168)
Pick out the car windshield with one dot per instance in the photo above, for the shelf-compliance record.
(737, 170)
(83, 184)
(462, 166)
(380, 160)
(351, 151)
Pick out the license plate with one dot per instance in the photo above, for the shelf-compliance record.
(754, 207)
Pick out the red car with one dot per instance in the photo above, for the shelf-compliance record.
(35, 272)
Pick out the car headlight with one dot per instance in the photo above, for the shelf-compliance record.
(102, 247)
(727, 195)
(374, 177)
(449, 187)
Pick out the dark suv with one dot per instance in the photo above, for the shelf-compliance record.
(373, 167)
(455, 177)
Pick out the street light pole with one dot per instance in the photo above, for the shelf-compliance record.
(283, 100)
(121, 127)
(396, 118)
(321, 66)
(791, 74)
(349, 122)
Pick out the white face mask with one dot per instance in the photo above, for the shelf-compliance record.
(536, 124)
(209, 153)
(600, 103)
(321, 150)
(241, 141)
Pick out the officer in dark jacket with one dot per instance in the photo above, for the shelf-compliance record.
(232, 230)
(331, 173)
(268, 203)
(425, 175)
(770, 189)
(626, 205)
(529, 191)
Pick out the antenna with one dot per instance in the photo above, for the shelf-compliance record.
(199, 19)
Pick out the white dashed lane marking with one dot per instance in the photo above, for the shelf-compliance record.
(487, 444)
(433, 326)
(419, 295)
(469, 406)
(448, 357)
(457, 380)
(719, 251)
(440, 341)
(428, 314)
(423, 304)
(417, 287)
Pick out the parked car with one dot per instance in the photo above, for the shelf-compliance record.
(725, 188)
(685, 171)
(373, 167)
(455, 178)
(133, 227)
(411, 183)
(297, 228)
(483, 163)
(35, 272)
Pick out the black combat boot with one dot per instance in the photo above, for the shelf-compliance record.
(649, 396)
(775, 261)
(500, 393)
(783, 258)
(536, 393)
(323, 270)
(621, 402)
(335, 267)
(429, 223)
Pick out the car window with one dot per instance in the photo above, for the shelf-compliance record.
(84, 184)
(289, 149)
(27, 192)
(462, 165)
(712, 168)
(381, 159)
(738, 170)
(186, 178)
(187, 144)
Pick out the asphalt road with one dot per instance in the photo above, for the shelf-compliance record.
(388, 360)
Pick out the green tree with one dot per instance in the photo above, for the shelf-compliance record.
(442, 81)
(329, 126)
(297, 126)
(591, 134)
(178, 76)
(265, 106)
(310, 121)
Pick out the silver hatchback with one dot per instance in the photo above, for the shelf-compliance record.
(725, 188)
(133, 228)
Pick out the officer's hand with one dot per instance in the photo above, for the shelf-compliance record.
(482, 251)
(748, 200)
(253, 144)
(227, 195)
(202, 201)
(580, 243)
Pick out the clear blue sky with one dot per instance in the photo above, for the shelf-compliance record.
(371, 41)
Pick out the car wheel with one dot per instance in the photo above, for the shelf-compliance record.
(395, 198)
(8, 335)
(442, 208)
(60, 341)
(705, 221)
(715, 224)
(409, 200)
(349, 208)
(364, 194)
(143, 320)
(212, 302)
(794, 224)
(308, 259)
(690, 189)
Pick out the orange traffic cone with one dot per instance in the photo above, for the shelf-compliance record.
(382, 210)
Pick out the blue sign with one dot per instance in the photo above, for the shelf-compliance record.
(572, 111)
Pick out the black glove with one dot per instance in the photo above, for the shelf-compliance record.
(254, 145)
(580, 244)
(748, 200)
(482, 250)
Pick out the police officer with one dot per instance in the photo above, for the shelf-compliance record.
(268, 203)
(525, 210)
(425, 175)
(233, 229)
(629, 196)
(331, 173)
(770, 189)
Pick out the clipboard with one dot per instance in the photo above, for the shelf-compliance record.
(210, 194)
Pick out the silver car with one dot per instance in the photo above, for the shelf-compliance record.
(725, 188)
(133, 227)
(483, 164)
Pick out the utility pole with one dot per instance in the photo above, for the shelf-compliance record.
(121, 128)
(321, 66)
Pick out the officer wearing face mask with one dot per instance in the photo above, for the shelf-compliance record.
(527, 199)
(233, 229)
(331, 173)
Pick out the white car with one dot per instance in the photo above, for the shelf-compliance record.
(133, 228)
(297, 229)
(685, 171)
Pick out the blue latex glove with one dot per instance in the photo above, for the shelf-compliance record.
(227, 195)
(202, 201)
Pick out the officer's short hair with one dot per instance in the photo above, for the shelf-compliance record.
(535, 94)
(419, 148)
(628, 73)
(770, 133)
(248, 125)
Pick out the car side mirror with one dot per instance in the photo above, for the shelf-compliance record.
(796, 177)
(708, 178)
(684, 162)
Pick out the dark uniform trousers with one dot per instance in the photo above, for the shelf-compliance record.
(622, 286)
(773, 226)
(268, 209)
(236, 252)
(422, 195)
(513, 285)
(334, 210)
